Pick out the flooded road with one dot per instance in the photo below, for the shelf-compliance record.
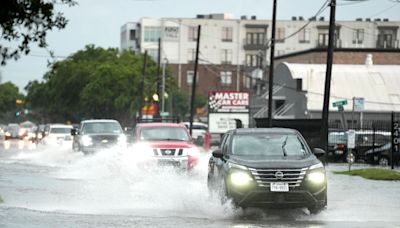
(56, 187)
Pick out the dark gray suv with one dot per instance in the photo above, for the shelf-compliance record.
(271, 167)
(93, 135)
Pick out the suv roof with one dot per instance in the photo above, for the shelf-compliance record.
(99, 120)
(263, 130)
(160, 125)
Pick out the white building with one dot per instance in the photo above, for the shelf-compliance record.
(235, 48)
(239, 41)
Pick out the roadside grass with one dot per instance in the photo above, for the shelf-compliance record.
(373, 174)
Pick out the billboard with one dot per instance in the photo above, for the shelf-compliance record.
(225, 108)
(225, 101)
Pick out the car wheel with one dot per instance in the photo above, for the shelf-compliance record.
(319, 207)
(383, 161)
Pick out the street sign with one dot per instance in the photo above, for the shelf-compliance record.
(164, 114)
(359, 104)
(351, 139)
(339, 103)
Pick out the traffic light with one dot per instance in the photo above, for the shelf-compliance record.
(18, 113)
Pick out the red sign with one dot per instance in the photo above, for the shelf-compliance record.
(225, 101)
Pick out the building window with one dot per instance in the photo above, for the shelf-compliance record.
(226, 56)
(255, 38)
(190, 76)
(191, 55)
(304, 35)
(280, 35)
(192, 33)
(227, 34)
(323, 39)
(151, 34)
(132, 34)
(153, 53)
(358, 36)
(226, 77)
(247, 82)
(253, 60)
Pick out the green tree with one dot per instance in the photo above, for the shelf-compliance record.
(8, 95)
(26, 22)
(92, 83)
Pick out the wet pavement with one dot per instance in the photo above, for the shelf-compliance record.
(56, 187)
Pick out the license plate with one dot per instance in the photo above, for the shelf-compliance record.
(339, 152)
(279, 187)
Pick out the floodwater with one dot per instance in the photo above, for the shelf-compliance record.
(56, 187)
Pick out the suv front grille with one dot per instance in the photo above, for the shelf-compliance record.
(167, 152)
(264, 177)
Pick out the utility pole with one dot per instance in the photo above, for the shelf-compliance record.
(158, 78)
(142, 85)
(271, 67)
(194, 80)
(325, 110)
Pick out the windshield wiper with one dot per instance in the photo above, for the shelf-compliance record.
(283, 146)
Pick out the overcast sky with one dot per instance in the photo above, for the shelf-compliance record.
(98, 22)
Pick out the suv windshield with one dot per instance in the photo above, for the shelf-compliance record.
(268, 145)
(164, 133)
(60, 130)
(102, 128)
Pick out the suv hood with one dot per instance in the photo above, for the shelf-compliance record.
(169, 144)
(274, 161)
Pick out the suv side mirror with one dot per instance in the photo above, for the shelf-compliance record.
(318, 152)
(74, 131)
(217, 154)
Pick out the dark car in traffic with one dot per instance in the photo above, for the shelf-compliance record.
(93, 135)
(382, 155)
(268, 167)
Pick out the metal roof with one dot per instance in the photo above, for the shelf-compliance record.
(379, 85)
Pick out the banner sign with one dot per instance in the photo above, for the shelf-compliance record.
(228, 102)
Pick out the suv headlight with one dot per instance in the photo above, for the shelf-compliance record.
(316, 174)
(86, 140)
(240, 178)
(239, 175)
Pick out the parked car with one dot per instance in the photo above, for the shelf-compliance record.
(198, 129)
(382, 155)
(167, 144)
(365, 140)
(268, 167)
(58, 134)
(93, 135)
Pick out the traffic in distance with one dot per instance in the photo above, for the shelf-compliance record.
(250, 167)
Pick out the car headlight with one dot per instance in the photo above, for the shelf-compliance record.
(240, 178)
(86, 140)
(316, 177)
(239, 175)
(316, 174)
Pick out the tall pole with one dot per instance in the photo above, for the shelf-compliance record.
(325, 110)
(194, 80)
(271, 66)
(158, 77)
(163, 86)
(142, 86)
